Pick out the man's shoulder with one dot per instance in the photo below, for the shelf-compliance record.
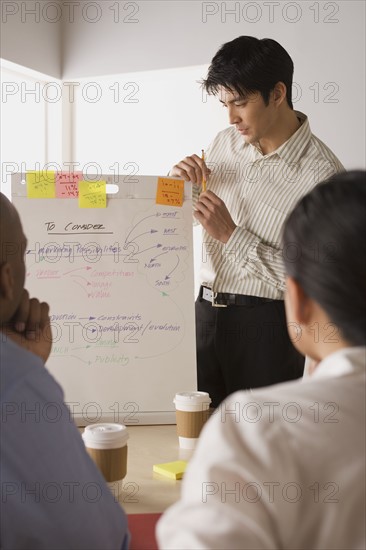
(323, 149)
(324, 155)
(19, 367)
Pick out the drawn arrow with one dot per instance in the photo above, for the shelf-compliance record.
(75, 356)
(112, 346)
(81, 277)
(168, 276)
(81, 286)
(87, 318)
(141, 234)
(78, 269)
(92, 329)
(150, 248)
(157, 256)
(143, 219)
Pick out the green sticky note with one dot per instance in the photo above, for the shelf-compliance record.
(41, 185)
(92, 194)
(173, 470)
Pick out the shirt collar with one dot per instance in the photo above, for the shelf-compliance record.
(293, 148)
(343, 361)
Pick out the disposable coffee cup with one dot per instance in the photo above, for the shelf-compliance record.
(107, 446)
(192, 411)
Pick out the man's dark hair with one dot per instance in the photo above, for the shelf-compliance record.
(248, 65)
(325, 250)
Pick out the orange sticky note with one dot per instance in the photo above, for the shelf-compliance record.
(67, 184)
(92, 194)
(170, 192)
(41, 185)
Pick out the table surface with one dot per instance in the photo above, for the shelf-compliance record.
(144, 491)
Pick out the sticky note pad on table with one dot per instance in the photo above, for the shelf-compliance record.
(173, 470)
(170, 192)
(41, 185)
(92, 194)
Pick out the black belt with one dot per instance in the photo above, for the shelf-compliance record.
(224, 299)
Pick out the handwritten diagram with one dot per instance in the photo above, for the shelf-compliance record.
(119, 282)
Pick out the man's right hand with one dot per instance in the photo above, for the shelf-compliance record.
(192, 169)
(30, 326)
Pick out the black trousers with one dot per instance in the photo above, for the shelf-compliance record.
(243, 347)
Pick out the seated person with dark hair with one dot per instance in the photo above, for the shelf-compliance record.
(52, 494)
(284, 466)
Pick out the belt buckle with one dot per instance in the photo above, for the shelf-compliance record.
(214, 295)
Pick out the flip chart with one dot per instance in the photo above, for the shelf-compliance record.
(119, 281)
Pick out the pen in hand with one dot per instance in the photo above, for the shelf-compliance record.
(203, 177)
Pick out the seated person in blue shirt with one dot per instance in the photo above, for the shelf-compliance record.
(284, 466)
(52, 494)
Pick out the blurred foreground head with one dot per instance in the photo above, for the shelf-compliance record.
(12, 266)
(325, 251)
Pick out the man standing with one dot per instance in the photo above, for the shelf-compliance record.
(257, 171)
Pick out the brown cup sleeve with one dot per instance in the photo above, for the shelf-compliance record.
(111, 462)
(189, 424)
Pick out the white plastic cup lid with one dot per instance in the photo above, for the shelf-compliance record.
(191, 397)
(105, 436)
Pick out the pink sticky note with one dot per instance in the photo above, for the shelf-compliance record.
(67, 184)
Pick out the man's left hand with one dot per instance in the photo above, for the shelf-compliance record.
(212, 213)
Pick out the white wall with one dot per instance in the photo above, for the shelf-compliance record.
(325, 39)
(149, 119)
(140, 36)
(31, 35)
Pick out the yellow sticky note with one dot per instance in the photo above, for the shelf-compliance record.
(170, 192)
(92, 194)
(173, 470)
(41, 185)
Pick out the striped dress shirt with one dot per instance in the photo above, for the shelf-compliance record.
(259, 192)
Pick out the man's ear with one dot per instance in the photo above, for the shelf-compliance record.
(279, 93)
(300, 302)
(6, 282)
